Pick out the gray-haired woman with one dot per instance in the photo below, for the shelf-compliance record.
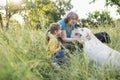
(67, 26)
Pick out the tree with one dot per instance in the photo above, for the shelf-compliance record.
(37, 12)
(43, 12)
(114, 2)
(62, 6)
(111, 3)
(97, 18)
(10, 8)
(1, 21)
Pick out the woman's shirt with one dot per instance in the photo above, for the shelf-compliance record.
(63, 27)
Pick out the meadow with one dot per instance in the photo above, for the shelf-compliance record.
(23, 56)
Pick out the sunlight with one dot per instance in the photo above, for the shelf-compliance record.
(19, 18)
(2, 2)
(15, 1)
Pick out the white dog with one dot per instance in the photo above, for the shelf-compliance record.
(96, 50)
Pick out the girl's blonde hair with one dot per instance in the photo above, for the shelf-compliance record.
(52, 29)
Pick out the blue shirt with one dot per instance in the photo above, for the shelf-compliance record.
(63, 27)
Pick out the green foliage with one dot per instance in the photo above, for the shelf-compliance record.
(5, 68)
(114, 3)
(35, 12)
(23, 50)
(111, 3)
(97, 18)
(11, 8)
(47, 11)
(62, 6)
(23, 56)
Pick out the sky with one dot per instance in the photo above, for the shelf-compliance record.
(82, 8)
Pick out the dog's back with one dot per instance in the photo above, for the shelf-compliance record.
(98, 51)
(103, 37)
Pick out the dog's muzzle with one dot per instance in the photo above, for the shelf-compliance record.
(78, 34)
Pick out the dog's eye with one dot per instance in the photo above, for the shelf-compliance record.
(82, 29)
(80, 35)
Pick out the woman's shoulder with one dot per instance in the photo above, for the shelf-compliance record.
(62, 22)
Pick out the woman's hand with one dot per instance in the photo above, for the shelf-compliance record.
(79, 40)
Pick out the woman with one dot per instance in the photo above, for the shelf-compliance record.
(67, 26)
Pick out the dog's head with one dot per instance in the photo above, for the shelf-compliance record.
(83, 33)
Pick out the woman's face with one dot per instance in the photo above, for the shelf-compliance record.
(73, 21)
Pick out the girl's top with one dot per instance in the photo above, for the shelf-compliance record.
(53, 45)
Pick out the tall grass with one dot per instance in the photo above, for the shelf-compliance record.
(113, 31)
(23, 56)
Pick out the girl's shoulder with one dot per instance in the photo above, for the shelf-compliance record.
(53, 41)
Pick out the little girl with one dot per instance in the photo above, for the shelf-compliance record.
(54, 48)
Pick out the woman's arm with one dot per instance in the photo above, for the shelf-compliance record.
(65, 39)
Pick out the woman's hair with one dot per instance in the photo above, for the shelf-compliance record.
(70, 15)
(52, 29)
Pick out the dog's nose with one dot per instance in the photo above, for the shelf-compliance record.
(78, 34)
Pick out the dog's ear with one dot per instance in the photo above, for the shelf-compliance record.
(87, 30)
(88, 37)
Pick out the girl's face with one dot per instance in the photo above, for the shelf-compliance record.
(58, 32)
(73, 21)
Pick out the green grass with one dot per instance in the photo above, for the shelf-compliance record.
(23, 56)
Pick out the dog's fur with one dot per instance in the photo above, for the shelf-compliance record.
(96, 50)
(103, 37)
